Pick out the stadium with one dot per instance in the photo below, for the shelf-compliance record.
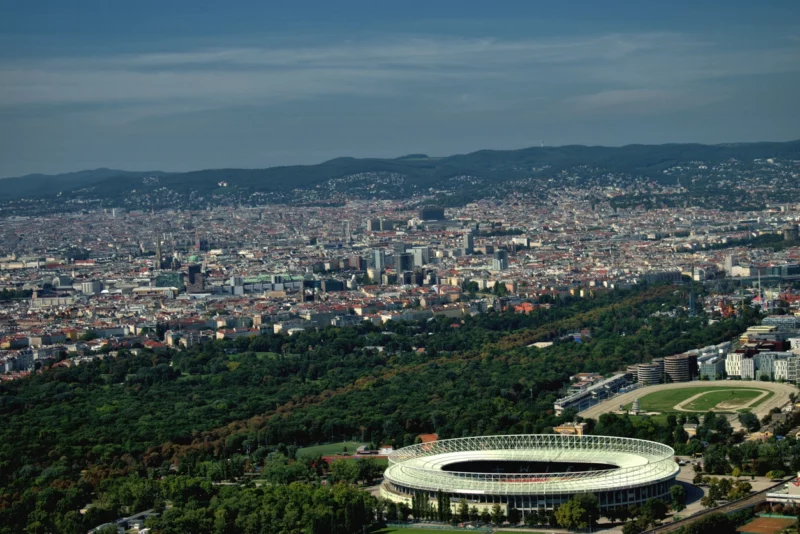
(532, 472)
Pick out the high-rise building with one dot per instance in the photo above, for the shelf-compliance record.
(404, 262)
(398, 247)
(158, 260)
(386, 225)
(195, 281)
(730, 261)
(422, 256)
(469, 243)
(348, 237)
(373, 225)
(379, 260)
(431, 213)
(500, 260)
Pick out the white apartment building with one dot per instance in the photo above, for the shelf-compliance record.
(733, 364)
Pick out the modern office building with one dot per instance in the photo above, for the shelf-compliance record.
(469, 243)
(422, 256)
(195, 282)
(712, 369)
(500, 260)
(648, 374)
(783, 323)
(680, 368)
(379, 260)
(404, 262)
(431, 213)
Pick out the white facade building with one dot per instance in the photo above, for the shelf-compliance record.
(733, 364)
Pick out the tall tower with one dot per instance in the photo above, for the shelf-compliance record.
(469, 243)
(348, 237)
(157, 261)
(380, 260)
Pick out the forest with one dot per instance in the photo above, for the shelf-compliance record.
(228, 408)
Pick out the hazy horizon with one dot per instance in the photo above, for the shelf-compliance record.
(433, 156)
(179, 86)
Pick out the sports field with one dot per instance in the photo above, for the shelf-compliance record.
(331, 449)
(697, 399)
(766, 525)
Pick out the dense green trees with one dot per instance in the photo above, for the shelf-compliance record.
(678, 497)
(579, 512)
(716, 523)
(221, 410)
(749, 421)
(297, 507)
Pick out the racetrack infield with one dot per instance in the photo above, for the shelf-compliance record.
(726, 400)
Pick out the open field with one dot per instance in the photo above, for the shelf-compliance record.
(331, 449)
(664, 397)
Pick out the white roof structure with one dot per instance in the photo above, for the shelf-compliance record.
(636, 463)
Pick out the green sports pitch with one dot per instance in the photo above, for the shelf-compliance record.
(717, 399)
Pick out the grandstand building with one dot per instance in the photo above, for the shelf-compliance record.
(591, 395)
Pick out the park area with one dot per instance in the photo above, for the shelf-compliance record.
(432, 529)
(697, 399)
(331, 449)
(766, 525)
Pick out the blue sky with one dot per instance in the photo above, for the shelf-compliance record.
(187, 85)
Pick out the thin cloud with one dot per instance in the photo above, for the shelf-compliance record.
(631, 69)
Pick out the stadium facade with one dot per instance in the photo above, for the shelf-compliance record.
(532, 472)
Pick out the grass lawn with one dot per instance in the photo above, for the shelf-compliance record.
(731, 399)
(665, 400)
(330, 449)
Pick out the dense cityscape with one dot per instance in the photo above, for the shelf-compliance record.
(92, 282)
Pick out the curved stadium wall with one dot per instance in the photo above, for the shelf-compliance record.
(632, 470)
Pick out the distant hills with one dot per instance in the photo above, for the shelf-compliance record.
(38, 185)
(395, 177)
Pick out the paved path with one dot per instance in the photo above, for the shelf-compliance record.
(778, 400)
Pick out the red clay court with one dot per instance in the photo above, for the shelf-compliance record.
(766, 525)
